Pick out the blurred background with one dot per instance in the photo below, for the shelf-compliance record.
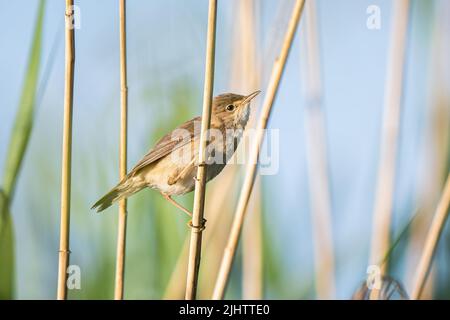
(286, 252)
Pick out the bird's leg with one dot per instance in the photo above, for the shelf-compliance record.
(179, 206)
(176, 204)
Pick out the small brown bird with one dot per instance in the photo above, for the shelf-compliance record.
(171, 166)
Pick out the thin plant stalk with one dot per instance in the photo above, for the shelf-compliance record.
(122, 225)
(436, 146)
(391, 123)
(199, 196)
(217, 208)
(246, 76)
(219, 204)
(318, 177)
(252, 248)
(64, 251)
(277, 72)
(434, 234)
(220, 210)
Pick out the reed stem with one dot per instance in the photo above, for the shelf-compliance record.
(64, 251)
(122, 224)
(277, 72)
(252, 247)
(389, 140)
(246, 69)
(199, 196)
(435, 150)
(431, 242)
(319, 186)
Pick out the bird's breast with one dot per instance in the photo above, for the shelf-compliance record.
(219, 151)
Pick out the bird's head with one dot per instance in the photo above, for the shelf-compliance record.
(232, 110)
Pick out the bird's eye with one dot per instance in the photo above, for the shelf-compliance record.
(230, 107)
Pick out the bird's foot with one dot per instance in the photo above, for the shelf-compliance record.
(197, 228)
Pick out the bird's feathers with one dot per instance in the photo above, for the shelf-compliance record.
(124, 189)
(168, 144)
(174, 175)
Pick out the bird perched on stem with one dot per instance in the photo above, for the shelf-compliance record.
(171, 165)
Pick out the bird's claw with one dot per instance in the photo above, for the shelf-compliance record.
(197, 228)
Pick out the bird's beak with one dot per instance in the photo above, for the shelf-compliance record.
(250, 97)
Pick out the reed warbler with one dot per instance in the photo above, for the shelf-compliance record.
(170, 167)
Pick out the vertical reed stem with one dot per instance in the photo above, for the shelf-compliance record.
(435, 150)
(434, 234)
(391, 124)
(199, 196)
(252, 247)
(247, 79)
(277, 72)
(66, 152)
(319, 188)
(122, 225)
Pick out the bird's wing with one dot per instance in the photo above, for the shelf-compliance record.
(170, 143)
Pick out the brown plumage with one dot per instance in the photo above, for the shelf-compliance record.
(170, 166)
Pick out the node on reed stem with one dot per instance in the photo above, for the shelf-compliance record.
(122, 224)
(66, 151)
(199, 196)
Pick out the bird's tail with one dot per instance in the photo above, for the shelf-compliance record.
(124, 189)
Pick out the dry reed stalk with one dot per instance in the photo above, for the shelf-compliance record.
(274, 37)
(199, 196)
(66, 151)
(434, 234)
(218, 207)
(436, 146)
(277, 71)
(252, 247)
(247, 76)
(391, 124)
(219, 204)
(319, 185)
(122, 224)
(219, 235)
